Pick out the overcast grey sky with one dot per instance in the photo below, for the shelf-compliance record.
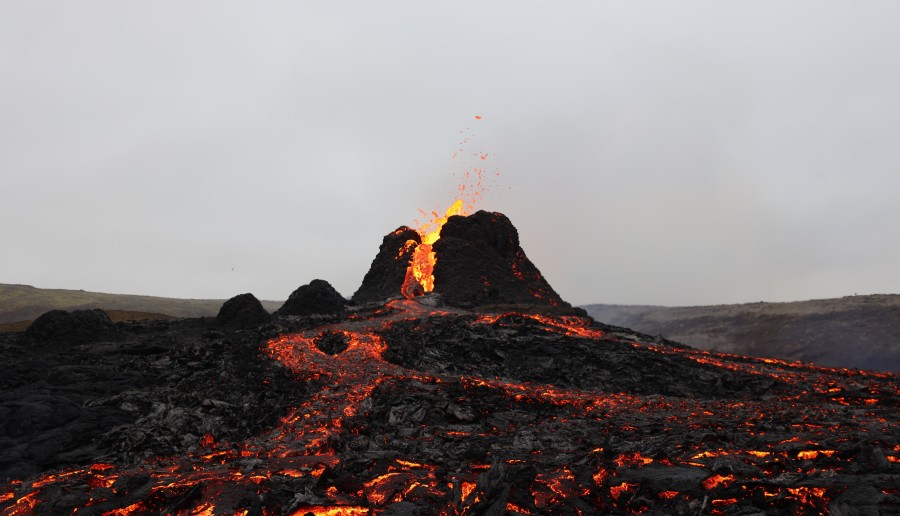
(649, 152)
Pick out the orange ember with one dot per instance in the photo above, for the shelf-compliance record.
(619, 490)
(716, 480)
(467, 488)
(24, 505)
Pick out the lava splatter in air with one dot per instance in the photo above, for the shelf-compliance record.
(472, 186)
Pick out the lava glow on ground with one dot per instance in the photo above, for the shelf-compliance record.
(569, 450)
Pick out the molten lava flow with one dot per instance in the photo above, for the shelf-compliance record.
(420, 273)
(353, 447)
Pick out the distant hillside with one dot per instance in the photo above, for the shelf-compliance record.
(24, 302)
(854, 331)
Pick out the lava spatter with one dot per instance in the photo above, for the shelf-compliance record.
(420, 273)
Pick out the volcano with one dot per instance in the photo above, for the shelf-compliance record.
(457, 382)
(476, 260)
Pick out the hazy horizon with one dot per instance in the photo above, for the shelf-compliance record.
(649, 153)
(576, 304)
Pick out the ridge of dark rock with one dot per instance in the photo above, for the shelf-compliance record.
(853, 331)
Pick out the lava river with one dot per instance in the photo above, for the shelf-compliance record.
(417, 410)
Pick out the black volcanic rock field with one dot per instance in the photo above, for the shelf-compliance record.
(436, 404)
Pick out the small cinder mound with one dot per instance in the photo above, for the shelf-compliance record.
(319, 297)
(242, 311)
(75, 327)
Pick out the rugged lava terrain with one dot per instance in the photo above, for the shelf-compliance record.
(420, 406)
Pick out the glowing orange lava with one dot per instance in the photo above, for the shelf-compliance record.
(473, 183)
(420, 273)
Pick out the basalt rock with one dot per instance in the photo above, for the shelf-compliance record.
(480, 262)
(388, 269)
(75, 327)
(242, 311)
(318, 297)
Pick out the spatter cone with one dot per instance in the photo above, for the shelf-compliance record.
(478, 261)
